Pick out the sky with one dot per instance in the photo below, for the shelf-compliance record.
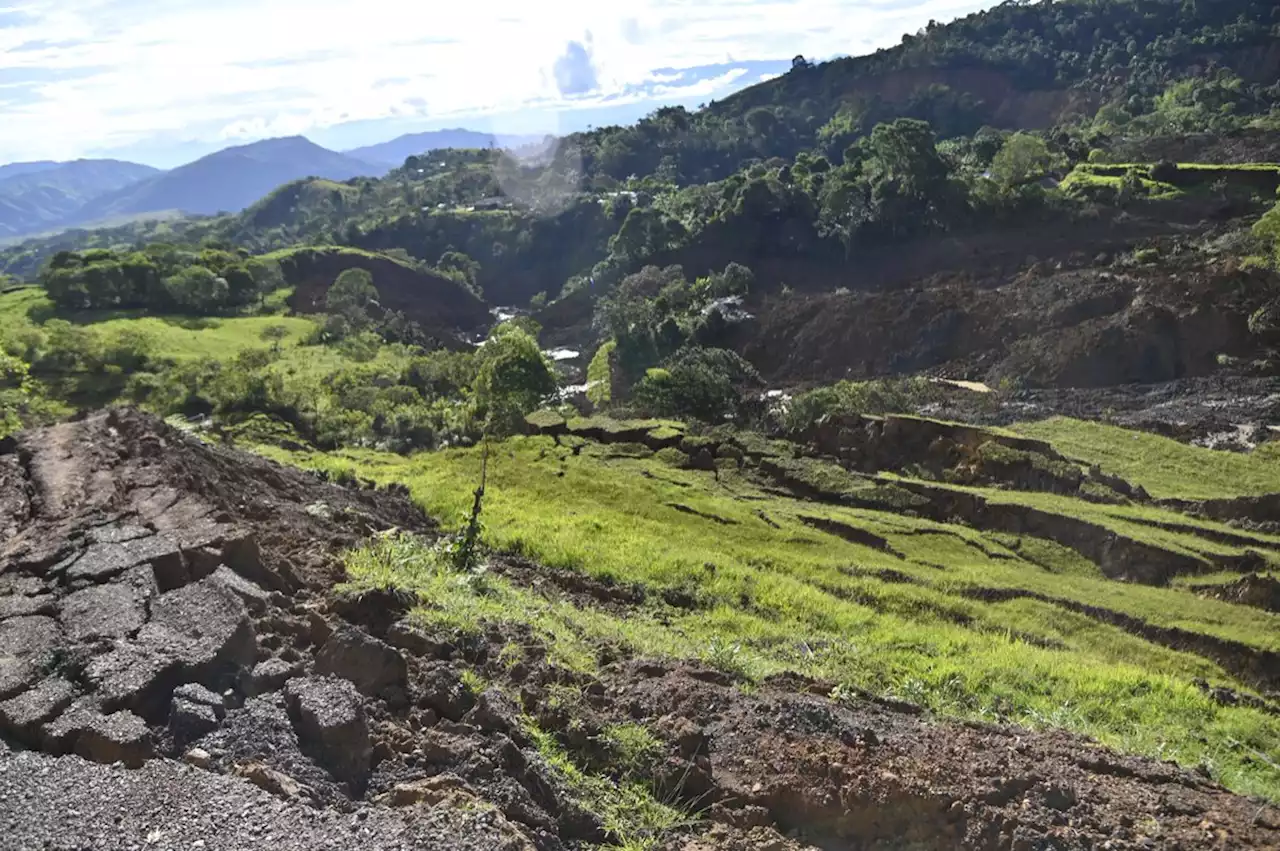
(165, 81)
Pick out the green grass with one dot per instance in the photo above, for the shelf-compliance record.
(630, 813)
(1165, 467)
(794, 598)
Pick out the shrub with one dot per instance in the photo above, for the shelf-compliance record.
(706, 384)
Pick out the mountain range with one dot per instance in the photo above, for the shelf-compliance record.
(46, 196)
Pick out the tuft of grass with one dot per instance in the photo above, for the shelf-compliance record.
(628, 810)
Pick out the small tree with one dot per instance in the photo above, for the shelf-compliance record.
(1023, 158)
(513, 379)
(351, 295)
(197, 289)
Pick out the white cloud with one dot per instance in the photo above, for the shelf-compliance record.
(88, 75)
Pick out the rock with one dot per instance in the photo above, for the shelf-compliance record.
(204, 626)
(202, 562)
(16, 676)
(102, 561)
(199, 757)
(118, 737)
(375, 609)
(33, 637)
(135, 676)
(269, 780)
(195, 712)
(270, 675)
(198, 694)
(199, 632)
(443, 788)
(114, 610)
(242, 555)
(410, 639)
(495, 712)
(329, 719)
(254, 598)
(15, 605)
(440, 688)
(369, 663)
(21, 716)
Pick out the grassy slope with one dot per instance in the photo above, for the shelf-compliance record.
(793, 598)
(1165, 467)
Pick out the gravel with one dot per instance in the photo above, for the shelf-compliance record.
(68, 804)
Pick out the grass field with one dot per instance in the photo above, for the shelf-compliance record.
(1165, 467)
(765, 592)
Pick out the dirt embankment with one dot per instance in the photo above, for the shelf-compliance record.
(163, 601)
(440, 305)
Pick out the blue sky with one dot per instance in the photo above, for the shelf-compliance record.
(164, 81)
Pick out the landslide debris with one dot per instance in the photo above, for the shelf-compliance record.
(177, 670)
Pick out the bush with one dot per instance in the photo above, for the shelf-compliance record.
(889, 396)
(707, 384)
(513, 379)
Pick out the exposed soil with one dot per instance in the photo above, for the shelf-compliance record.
(163, 601)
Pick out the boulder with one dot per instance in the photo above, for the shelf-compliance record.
(204, 626)
(369, 663)
(200, 632)
(329, 719)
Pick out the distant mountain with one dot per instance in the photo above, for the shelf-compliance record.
(230, 179)
(41, 195)
(15, 169)
(394, 153)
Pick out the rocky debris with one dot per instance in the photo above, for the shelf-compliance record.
(329, 718)
(118, 737)
(22, 716)
(270, 675)
(58, 803)
(254, 598)
(197, 633)
(270, 780)
(443, 788)
(1253, 589)
(116, 610)
(372, 665)
(199, 757)
(195, 712)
